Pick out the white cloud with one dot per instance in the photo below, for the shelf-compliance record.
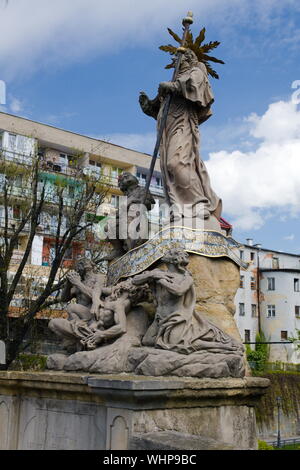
(41, 33)
(267, 178)
(289, 237)
(141, 142)
(15, 105)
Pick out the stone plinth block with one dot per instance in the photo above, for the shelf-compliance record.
(67, 411)
(216, 283)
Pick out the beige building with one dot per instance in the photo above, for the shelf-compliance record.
(61, 150)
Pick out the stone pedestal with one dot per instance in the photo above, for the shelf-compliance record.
(76, 411)
(216, 283)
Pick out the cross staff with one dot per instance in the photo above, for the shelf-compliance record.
(187, 21)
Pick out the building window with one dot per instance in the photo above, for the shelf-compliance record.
(297, 310)
(17, 212)
(284, 335)
(271, 311)
(253, 310)
(158, 182)
(95, 164)
(271, 283)
(71, 192)
(242, 279)
(253, 283)
(115, 201)
(12, 141)
(275, 263)
(116, 172)
(247, 336)
(241, 254)
(252, 256)
(242, 310)
(296, 285)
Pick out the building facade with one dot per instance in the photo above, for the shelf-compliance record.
(268, 300)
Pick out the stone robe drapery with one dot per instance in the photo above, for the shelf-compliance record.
(185, 178)
(184, 330)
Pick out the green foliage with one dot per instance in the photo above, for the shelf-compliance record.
(262, 445)
(290, 447)
(296, 340)
(261, 353)
(282, 384)
(32, 362)
(197, 47)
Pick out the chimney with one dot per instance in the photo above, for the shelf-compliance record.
(249, 241)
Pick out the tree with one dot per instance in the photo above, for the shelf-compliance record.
(28, 193)
(296, 340)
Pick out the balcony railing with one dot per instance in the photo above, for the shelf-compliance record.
(16, 157)
(154, 188)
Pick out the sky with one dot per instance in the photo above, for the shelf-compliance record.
(80, 65)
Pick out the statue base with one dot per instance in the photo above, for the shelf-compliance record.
(63, 411)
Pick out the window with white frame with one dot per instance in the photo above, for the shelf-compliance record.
(247, 336)
(242, 281)
(284, 335)
(271, 283)
(297, 311)
(253, 283)
(254, 310)
(271, 311)
(116, 172)
(296, 285)
(241, 309)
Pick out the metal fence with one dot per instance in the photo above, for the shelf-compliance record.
(285, 442)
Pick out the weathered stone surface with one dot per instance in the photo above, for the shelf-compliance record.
(216, 283)
(155, 362)
(172, 440)
(56, 361)
(109, 359)
(232, 425)
(2, 353)
(56, 410)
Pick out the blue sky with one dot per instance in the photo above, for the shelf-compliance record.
(80, 64)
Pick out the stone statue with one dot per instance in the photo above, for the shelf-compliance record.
(121, 338)
(87, 330)
(85, 285)
(177, 326)
(185, 178)
(130, 228)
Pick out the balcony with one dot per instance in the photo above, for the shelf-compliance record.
(15, 157)
(154, 188)
(12, 224)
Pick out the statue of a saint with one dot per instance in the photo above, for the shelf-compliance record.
(177, 326)
(185, 178)
(130, 228)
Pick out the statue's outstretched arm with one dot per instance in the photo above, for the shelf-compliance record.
(177, 286)
(149, 107)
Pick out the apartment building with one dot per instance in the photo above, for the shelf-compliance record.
(268, 299)
(63, 153)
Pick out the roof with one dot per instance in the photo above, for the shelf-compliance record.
(224, 224)
(75, 133)
(270, 250)
(283, 270)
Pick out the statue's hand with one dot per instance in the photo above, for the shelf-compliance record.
(144, 101)
(73, 277)
(95, 339)
(165, 88)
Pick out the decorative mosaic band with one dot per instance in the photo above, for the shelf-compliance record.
(211, 244)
